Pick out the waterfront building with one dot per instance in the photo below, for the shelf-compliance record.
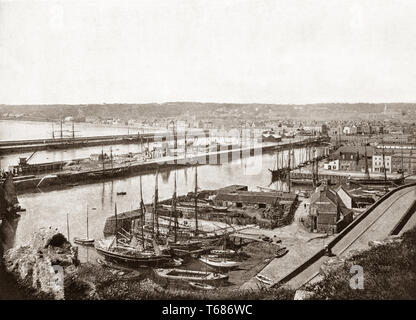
(378, 165)
(352, 158)
(327, 212)
(332, 165)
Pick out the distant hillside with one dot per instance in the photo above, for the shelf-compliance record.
(204, 110)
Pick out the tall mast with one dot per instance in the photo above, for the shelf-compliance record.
(155, 218)
(142, 209)
(115, 214)
(402, 162)
(67, 224)
(366, 161)
(185, 146)
(384, 163)
(174, 211)
(196, 198)
(102, 157)
(87, 223)
(111, 157)
(317, 169)
(175, 135)
(289, 164)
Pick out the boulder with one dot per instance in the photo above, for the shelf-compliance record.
(44, 264)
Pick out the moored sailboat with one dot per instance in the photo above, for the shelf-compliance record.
(131, 253)
(84, 241)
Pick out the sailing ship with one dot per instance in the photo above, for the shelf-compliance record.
(130, 256)
(281, 171)
(183, 244)
(84, 241)
(131, 251)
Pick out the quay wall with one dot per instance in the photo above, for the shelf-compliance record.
(56, 179)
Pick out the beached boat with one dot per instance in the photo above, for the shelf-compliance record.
(132, 257)
(218, 262)
(264, 279)
(87, 241)
(219, 208)
(281, 252)
(175, 275)
(224, 252)
(84, 241)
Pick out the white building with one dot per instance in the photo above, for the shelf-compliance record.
(332, 165)
(346, 130)
(378, 163)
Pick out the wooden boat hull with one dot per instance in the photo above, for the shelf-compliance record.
(178, 276)
(280, 174)
(220, 209)
(134, 261)
(222, 265)
(224, 253)
(376, 181)
(302, 182)
(84, 242)
(281, 253)
(264, 279)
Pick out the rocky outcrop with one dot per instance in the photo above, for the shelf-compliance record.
(46, 265)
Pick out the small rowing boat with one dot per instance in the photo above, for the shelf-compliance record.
(224, 252)
(219, 262)
(87, 241)
(281, 252)
(174, 275)
(264, 279)
(84, 241)
(219, 208)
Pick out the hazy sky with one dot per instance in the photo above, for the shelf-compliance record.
(267, 51)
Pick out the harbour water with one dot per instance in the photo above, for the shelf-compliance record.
(11, 130)
(50, 209)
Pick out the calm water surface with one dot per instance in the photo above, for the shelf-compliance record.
(50, 209)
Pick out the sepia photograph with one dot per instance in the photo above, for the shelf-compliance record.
(215, 152)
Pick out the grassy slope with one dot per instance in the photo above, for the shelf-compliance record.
(389, 273)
